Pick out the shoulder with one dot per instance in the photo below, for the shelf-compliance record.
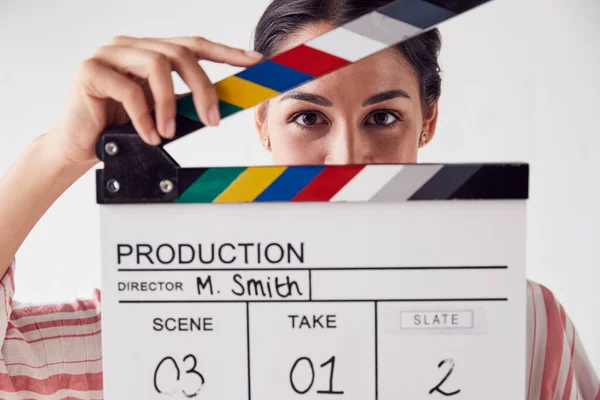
(47, 323)
(557, 364)
(44, 343)
(541, 302)
(76, 309)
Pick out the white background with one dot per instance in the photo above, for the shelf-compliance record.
(521, 84)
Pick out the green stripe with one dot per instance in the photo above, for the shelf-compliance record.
(210, 184)
(186, 107)
(228, 109)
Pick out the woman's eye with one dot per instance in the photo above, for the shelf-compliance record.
(309, 119)
(382, 118)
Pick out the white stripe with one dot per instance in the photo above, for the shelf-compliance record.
(6, 293)
(540, 343)
(345, 44)
(587, 381)
(68, 315)
(382, 28)
(61, 394)
(56, 331)
(367, 183)
(530, 326)
(563, 372)
(85, 367)
(569, 339)
(574, 390)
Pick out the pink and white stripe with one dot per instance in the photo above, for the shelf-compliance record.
(55, 352)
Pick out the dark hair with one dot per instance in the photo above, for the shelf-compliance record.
(283, 18)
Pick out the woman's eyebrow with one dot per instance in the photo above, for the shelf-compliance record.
(383, 96)
(309, 97)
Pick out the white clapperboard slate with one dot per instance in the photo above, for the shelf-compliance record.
(350, 282)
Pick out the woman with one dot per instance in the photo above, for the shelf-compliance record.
(339, 119)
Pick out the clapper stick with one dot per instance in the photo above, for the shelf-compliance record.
(137, 172)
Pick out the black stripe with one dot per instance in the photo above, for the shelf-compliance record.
(458, 6)
(187, 176)
(485, 182)
(496, 182)
(184, 126)
(446, 182)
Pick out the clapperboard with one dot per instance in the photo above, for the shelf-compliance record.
(311, 282)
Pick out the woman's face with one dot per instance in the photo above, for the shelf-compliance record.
(369, 112)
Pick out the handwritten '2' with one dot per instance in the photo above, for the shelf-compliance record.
(438, 387)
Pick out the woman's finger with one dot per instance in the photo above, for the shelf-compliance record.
(185, 63)
(204, 49)
(101, 81)
(156, 69)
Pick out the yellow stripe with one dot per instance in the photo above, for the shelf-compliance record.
(243, 93)
(252, 182)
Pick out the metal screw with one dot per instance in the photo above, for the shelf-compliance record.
(166, 186)
(111, 148)
(113, 186)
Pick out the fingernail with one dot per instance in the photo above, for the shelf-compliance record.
(170, 129)
(154, 138)
(253, 54)
(214, 116)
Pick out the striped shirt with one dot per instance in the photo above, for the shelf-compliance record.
(54, 351)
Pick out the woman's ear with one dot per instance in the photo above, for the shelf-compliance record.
(260, 123)
(429, 125)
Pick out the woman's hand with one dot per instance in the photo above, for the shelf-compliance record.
(122, 81)
(129, 78)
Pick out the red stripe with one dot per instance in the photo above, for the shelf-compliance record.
(569, 383)
(534, 339)
(554, 346)
(31, 311)
(11, 276)
(310, 61)
(75, 398)
(50, 364)
(52, 384)
(329, 181)
(55, 323)
(51, 337)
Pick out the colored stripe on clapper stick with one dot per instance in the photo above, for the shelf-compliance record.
(388, 26)
(352, 183)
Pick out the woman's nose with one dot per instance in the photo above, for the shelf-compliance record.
(346, 147)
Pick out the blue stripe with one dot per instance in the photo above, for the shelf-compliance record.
(274, 76)
(290, 183)
(417, 13)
